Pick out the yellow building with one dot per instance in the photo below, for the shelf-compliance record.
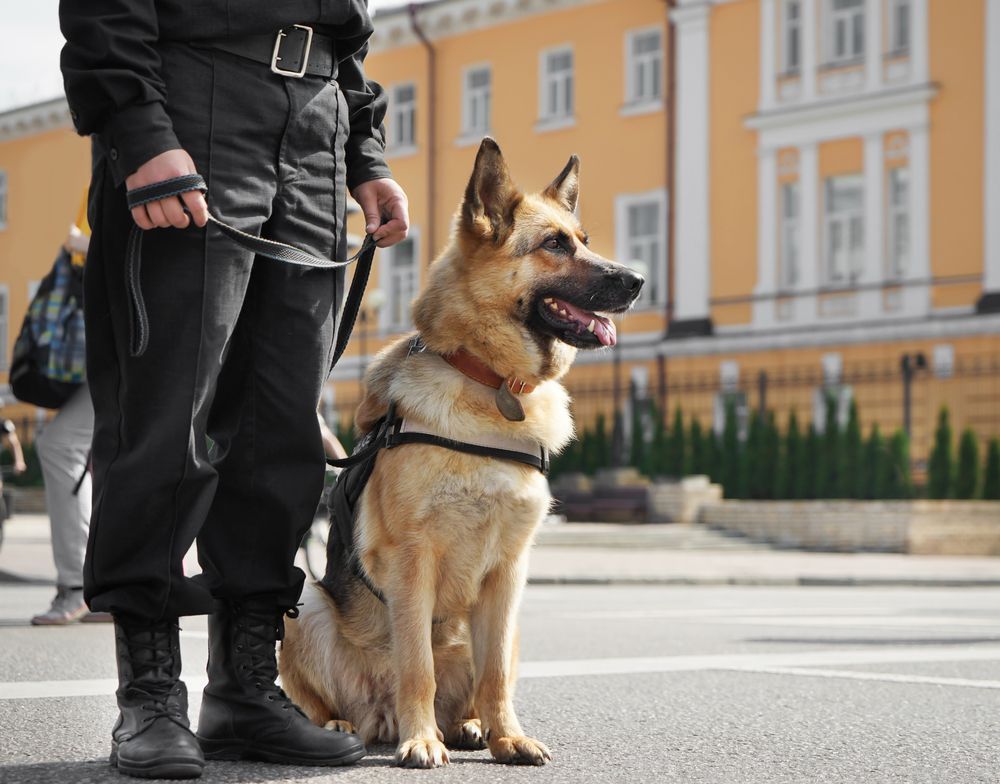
(837, 166)
(812, 188)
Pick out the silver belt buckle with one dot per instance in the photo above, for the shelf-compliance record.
(275, 68)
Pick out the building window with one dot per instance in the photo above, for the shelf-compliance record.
(846, 31)
(403, 116)
(644, 66)
(477, 100)
(899, 26)
(642, 242)
(4, 311)
(844, 229)
(792, 35)
(789, 235)
(3, 200)
(557, 85)
(899, 221)
(400, 267)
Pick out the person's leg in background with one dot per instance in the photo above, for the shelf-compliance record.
(63, 450)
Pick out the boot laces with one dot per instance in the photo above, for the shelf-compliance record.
(153, 678)
(261, 631)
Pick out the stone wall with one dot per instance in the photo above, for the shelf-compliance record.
(917, 527)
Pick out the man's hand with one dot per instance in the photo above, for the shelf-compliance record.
(386, 210)
(167, 212)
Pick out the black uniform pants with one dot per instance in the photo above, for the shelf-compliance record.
(212, 433)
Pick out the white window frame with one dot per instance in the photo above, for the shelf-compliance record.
(898, 212)
(398, 119)
(470, 95)
(790, 227)
(896, 48)
(656, 275)
(4, 325)
(850, 56)
(547, 117)
(790, 27)
(386, 322)
(653, 61)
(4, 199)
(844, 221)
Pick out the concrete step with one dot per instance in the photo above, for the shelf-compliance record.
(653, 536)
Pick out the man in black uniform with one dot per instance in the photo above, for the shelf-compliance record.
(269, 103)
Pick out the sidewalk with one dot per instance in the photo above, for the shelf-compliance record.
(610, 554)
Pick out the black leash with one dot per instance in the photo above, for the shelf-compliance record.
(278, 251)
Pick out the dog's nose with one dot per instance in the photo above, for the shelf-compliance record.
(632, 282)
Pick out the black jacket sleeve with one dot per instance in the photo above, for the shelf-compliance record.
(367, 104)
(111, 72)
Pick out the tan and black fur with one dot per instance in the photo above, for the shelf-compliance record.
(443, 534)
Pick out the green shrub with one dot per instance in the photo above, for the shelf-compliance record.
(698, 448)
(874, 472)
(810, 466)
(790, 456)
(898, 482)
(730, 458)
(830, 469)
(677, 459)
(967, 478)
(638, 448)
(939, 469)
(991, 473)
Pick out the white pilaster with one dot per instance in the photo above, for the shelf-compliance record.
(919, 54)
(692, 235)
(767, 242)
(869, 300)
(768, 54)
(917, 298)
(810, 57)
(873, 44)
(991, 205)
(809, 189)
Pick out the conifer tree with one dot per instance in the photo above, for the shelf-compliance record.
(967, 477)
(713, 456)
(851, 457)
(991, 473)
(829, 469)
(786, 481)
(730, 458)
(638, 447)
(698, 448)
(677, 450)
(810, 465)
(874, 475)
(898, 482)
(939, 468)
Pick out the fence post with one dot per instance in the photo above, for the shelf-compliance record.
(909, 365)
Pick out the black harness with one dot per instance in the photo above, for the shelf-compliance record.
(345, 495)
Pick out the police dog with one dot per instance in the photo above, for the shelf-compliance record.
(444, 535)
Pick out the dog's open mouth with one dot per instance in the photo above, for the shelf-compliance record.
(577, 326)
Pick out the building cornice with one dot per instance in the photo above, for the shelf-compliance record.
(449, 18)
(34, 119)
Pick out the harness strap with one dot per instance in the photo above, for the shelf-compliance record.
(260, 246)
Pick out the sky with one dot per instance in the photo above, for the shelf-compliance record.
(29, 54)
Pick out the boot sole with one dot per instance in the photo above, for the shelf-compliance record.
(157, 769)
(234, 750)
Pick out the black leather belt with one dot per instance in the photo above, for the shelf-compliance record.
(293, 51)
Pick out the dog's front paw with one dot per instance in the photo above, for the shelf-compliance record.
(421, 753)
(466, 735)
(519, 750)
(339, 725)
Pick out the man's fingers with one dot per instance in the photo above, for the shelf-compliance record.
(156, 215)
(391, 232)
(174, 212)
(141, 218)
(195, 202)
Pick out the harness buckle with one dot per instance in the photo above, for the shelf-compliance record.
(306, 47)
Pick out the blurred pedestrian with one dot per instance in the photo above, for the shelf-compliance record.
(9, 432)
(269, 103)
(63, 448)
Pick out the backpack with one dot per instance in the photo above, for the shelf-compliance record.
(48, 362)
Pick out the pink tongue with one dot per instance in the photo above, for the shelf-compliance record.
(603, 328)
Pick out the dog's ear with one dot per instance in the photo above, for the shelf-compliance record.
(491, 197)
(565, 188)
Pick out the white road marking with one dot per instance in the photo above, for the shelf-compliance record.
(715, 612)
(888, 677)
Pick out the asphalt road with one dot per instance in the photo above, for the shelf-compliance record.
(625, 684)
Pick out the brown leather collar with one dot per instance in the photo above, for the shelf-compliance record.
(467, 364)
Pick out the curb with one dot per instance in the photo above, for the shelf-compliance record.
(772, 582)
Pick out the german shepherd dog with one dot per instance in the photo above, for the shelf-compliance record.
(444, 535)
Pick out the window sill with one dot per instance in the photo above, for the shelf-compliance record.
(842, 65)
(555, 124)
(637, 108)
(472, 138)
(401, 152)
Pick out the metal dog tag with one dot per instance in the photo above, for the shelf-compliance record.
(508, 405)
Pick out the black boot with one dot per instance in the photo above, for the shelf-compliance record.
(152, 738)
(244, 715)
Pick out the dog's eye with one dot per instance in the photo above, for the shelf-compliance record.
(552, 243)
